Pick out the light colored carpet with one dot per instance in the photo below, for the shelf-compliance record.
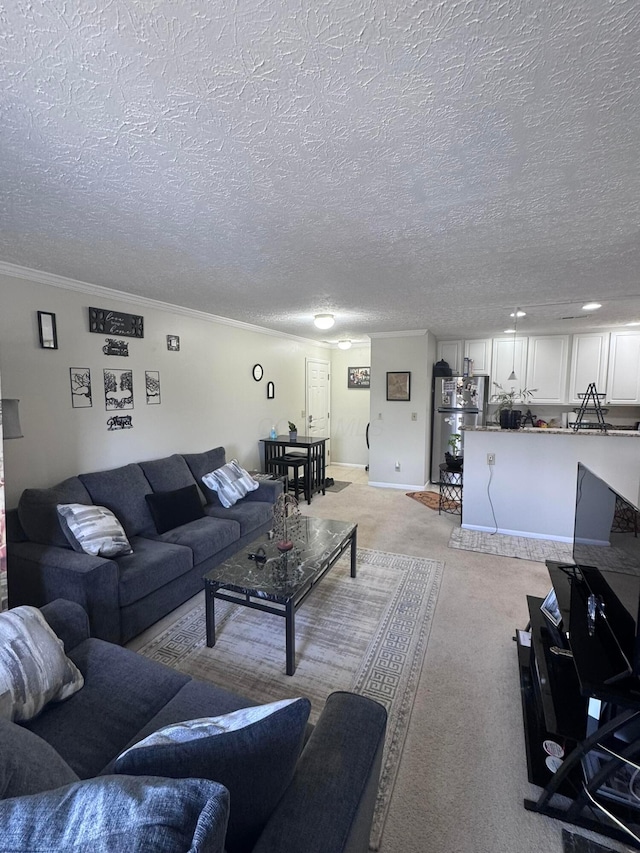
(367, 634)
(501, 545)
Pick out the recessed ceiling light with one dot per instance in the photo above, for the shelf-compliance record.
(344, 344)
(518, 313)
(510, 331)
(324, 321)
(591, 306)
(635, 323)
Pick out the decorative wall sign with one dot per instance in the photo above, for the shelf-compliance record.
(152, 386)
(271, 390)
(116, 323)
(257, 372)
(399, 385)
(47, 330)
(80, 379)
(173, 343)
(120, 422)
(114, 347)
(358, 377)
(118, 389)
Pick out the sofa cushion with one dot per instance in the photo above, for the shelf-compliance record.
(250, 515)
(203, 463)
(205, 536)
(179, 506)
(154, 562)
(28, 764)
(119, 814)
(34, 669)
(122, 490)
(231, 482)
(122, 692)
(167, 474)
(252, 752)
(93, 529)
(38, 514)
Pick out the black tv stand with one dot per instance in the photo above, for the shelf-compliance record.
(582, 735)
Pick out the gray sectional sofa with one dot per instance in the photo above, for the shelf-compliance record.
(324, 798)
(124, 595)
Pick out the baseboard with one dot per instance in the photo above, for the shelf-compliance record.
(347, 465)
(525, 534)
(408, 487)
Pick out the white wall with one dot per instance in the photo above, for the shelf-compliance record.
(209, 397)
(393, 435)
(349, 408)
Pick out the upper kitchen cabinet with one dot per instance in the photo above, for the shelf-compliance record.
(480, 354)
(451, 352)
(503, 362)
(589, 359)
(547, 364)
(623, 378)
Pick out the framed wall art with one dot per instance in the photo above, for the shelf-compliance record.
(118, 389)
(116, 323)
(80, 380)
(271, 390)
(47, 330)
(152, 387)
(173, 343)
(399, 385)
(358, 377)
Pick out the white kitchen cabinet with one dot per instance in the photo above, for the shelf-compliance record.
(503, 362)
(480, 354)
(451, 352)
(547, 366)
(589, 360)
(623, 378)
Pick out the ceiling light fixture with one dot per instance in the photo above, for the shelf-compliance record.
(591, 306)
(517, 313)
(344, 344)
(324, 321)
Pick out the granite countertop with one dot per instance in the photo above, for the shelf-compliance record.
(618, 433)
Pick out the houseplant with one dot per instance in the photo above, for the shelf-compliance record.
(293, 431)
(454, 459)
(506, 415)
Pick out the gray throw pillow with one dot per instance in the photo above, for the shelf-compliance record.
(34, 669)
(94, 530)
(119, 814)
(231, 482)
(252, 752)
(28, 763)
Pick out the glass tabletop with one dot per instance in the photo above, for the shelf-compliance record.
(280, 576)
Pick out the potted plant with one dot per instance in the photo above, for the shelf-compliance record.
(507, 416)
(293, 431)
(454, 459)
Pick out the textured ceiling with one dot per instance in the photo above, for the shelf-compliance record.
(406, 165)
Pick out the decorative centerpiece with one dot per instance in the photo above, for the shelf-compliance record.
(286, 518)
(506, 415)
(293, 431)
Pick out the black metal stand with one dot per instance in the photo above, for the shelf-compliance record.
(591, 406)
(450, 499)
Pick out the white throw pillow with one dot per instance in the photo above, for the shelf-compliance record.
(231, 482)
(34, 669)
(94, 530)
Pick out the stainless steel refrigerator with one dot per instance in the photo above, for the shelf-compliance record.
(457, 401)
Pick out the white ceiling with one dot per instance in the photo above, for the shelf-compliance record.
(405, 165)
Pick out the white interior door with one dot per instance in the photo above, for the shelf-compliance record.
(318, 401)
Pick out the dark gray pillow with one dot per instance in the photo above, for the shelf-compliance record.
(28, 763)
(252, 752)
(119, 814)
(171, 509)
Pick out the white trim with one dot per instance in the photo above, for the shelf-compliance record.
(409, 334)
(347, 465)
(522, 533)
(408, 486)
(60, 281)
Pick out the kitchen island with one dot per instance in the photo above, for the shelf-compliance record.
(531, 489)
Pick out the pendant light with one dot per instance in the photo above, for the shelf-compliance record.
(512, 375)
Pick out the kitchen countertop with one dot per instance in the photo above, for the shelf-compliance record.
(618, 433)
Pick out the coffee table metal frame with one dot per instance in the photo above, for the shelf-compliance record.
(286, 604)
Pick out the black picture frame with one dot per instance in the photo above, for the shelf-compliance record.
(47, 330)
(257, 371)
(271, 391)
(398, 385)
(173, 343)
(358, 377)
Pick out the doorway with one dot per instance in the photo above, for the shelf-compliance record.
(318, 403)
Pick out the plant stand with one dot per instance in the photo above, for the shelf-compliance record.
(591, 406)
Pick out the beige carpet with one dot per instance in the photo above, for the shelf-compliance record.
(367, 634)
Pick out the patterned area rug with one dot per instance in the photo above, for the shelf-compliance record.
(501, 545)
(432, 500)
(367, 634)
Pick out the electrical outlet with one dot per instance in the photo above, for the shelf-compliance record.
(397, 466)
(491, 458)
(379, 416)
(414, 416)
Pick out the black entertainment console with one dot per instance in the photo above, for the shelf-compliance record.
(581, 711)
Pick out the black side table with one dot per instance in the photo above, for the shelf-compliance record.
(450, 490)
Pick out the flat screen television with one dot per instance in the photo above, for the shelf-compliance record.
(605, 596)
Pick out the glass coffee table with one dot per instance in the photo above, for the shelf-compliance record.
(261, 577)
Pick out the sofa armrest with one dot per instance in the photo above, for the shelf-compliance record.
(68, 621)
(38, 574)
(328, 807)
(267, 491)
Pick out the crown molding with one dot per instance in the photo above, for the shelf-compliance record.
(416, 333)
(60, 281)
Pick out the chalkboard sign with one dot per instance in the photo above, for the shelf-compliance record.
(115, 323)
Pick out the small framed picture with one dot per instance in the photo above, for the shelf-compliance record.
(47, 330)
(358, 377)
(271, 390)
(173, 343)
(399, 385)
